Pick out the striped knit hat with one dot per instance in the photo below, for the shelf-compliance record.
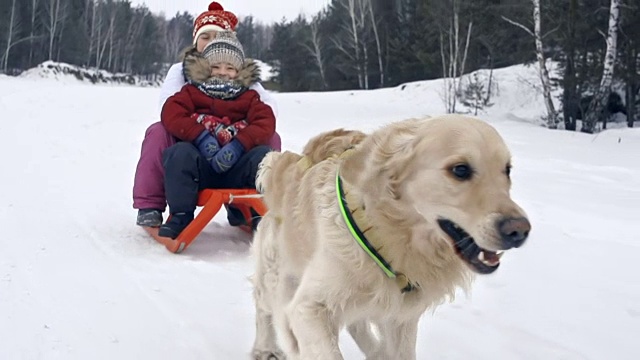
(225, 48)
(215, 19)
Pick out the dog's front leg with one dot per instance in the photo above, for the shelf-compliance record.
(315, 329)
(398, 341)
(265, 346)
(363, 335)
(265, 288)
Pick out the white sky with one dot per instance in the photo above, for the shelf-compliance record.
(266, 11)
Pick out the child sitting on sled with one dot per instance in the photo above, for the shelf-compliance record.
(223, 125)
(148, 185)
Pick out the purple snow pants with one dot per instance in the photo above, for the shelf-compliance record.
(148, 184)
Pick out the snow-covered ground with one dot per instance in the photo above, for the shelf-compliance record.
(79, 280)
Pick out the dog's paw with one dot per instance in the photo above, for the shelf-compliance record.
(268, 355)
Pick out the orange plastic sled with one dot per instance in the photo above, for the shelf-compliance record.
(211, 200)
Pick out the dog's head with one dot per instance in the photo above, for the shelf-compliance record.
(449, 176)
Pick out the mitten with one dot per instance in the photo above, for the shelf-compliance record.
(210, 122)
(225, 134)
(227, 156)
(207, 144)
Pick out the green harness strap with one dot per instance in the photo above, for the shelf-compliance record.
(361, 239)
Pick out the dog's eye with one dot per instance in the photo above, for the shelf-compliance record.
(462, 171)
(507, 170)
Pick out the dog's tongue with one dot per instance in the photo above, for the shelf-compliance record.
(489, 258)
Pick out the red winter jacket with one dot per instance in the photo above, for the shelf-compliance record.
(177, 111)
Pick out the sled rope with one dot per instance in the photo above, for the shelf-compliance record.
(252, 196)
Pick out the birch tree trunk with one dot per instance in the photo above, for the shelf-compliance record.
(632, 85)
(12, 24)
(445, 74)
(98, 34)
(107, 37)
(570, 84)
(34, 6)
(133, 34)
(464, 56)
(350, 45)
(172, 42)
(374, 26)
(362, 12)
(92, 31)
(452, 61)
(54, 7)
(57, 13)
(597, 105)
(552, 116)
(354, 32)
(316, 50)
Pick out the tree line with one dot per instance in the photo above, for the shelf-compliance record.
(360, 44)
(106, 34)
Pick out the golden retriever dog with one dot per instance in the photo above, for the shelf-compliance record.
(374, 237)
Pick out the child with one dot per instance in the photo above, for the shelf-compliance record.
(148, 189)
(223, 145)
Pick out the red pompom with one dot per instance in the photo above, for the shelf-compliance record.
(215, 6)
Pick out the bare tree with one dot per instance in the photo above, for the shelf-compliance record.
(57, 12)
(133, 34)
(447, 96)
(552, 115)
(464, 54)
(34, 14)
(173, 41)
(13, 25)
(351, 44)
(264, 35)
(363, 12)
(374, 26)
(107, 39)
(452, 61)
(316, 49)
(113, 24)
(490, 49)
(354, 34)
(92, 27)
(597, 105)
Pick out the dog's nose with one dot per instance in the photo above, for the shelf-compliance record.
(514, 231)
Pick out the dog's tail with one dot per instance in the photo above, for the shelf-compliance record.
(264, 170)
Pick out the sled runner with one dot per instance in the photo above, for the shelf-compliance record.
(211, 201)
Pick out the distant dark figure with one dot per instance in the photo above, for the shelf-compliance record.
(614, 105)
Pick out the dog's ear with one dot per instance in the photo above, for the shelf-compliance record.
(397, 162)
(381, 162)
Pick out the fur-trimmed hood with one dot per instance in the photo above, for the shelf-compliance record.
(197, 69)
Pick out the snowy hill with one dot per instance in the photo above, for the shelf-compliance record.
(71, 73)
(78, 279)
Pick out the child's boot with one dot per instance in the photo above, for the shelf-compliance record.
(149, 217)
(176, 223)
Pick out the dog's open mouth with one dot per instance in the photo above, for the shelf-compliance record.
(478, 259)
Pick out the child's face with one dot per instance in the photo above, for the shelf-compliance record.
(224, 71)
(204, 39)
